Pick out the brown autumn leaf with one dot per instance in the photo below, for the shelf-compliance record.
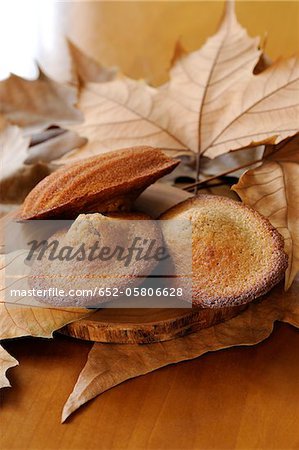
(85, 69)
(273, 190)
(6, 362)
(18, 320)
(16, 178)
(178, 53)
(213, 102)
(24, 165)
(54, 147)
(110, 365)
(36, 104)
(125, 111)
(25, 316)
(44, 135)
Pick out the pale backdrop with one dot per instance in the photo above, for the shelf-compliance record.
(137, 36)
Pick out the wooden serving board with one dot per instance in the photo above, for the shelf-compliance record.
(146, 325)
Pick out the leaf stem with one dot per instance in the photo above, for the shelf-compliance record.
(197, 173)
(190, 187)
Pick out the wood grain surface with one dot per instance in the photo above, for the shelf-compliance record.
(146, 325)
(239, 398)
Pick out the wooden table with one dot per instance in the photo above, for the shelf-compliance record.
(244, 398)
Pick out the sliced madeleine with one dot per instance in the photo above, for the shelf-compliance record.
(90, 263)
(237, 255)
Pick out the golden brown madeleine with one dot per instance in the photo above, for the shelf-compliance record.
(87, 274)
(109, 182)
(237, 255)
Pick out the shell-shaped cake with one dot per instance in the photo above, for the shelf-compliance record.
(109, 182)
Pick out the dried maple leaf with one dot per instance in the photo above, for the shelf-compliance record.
(212, 104)
(16, 178)
(263, 109)
(6, 362)
(273, 190)
(85, 69)
(13, 150)
(36, 104)
(110, 365)
(125, 111)
(17, 320)
(22, 167)
(178, 53)
(118, 114)
(44, 135)
(32, 319)
(54, 147)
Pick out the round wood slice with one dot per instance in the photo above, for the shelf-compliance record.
(146, 325)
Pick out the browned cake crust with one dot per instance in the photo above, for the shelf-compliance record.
(95, 274)
(237, 255)
(109, 182)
